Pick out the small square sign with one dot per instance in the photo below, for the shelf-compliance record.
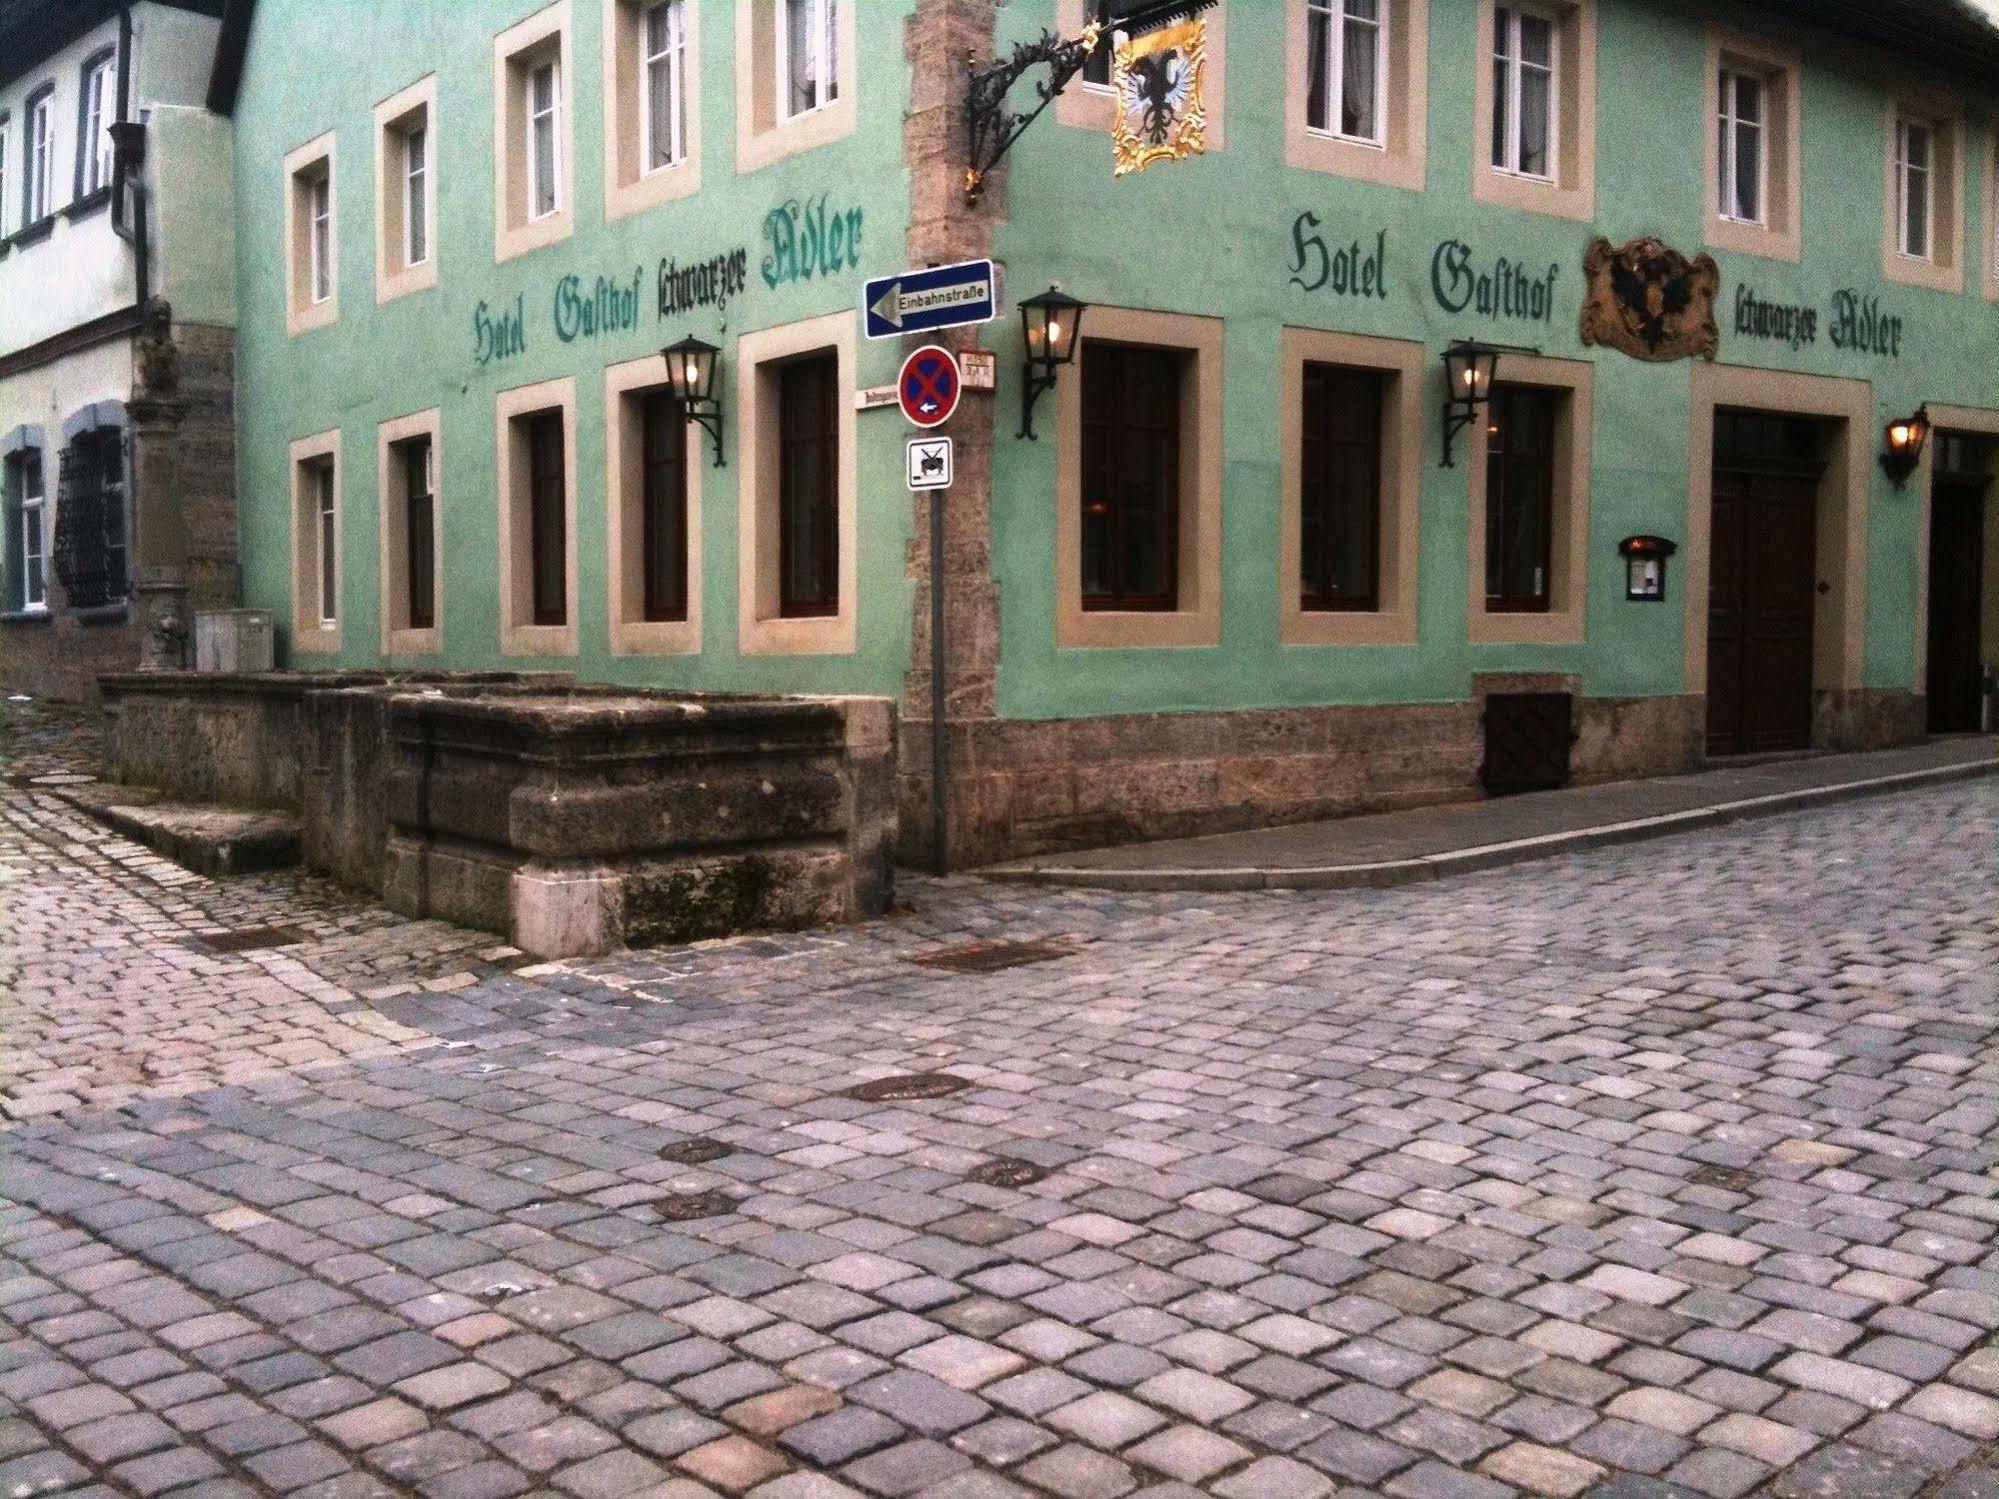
(929, 463)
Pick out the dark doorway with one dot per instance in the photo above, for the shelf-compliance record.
(1957, 553)
(1761, 584)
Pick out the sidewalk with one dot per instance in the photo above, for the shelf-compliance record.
(1427, 843)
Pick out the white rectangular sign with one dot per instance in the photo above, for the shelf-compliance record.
(929, 463)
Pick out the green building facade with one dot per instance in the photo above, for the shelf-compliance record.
(1230, 578)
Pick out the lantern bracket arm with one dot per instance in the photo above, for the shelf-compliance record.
(993, 127)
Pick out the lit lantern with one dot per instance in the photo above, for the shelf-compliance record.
(1051, 324)
(690, 370)
(1469, 367)
(1906, 436)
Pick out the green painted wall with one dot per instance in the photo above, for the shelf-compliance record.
(1209, 236)
(1214, 235)
(419, 351)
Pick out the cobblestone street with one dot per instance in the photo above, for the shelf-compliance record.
(1665, 1170)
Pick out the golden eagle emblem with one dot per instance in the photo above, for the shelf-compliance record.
(1646, 299)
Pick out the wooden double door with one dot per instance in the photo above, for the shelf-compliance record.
(1957, 559)
(1761, 591)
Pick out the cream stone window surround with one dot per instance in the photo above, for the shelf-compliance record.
(412, 108)
(1781, 71)
(392, 485)
(1943, 268)
(303, 166)
(628, 187)
(519, 634)
(1572, 191)
(542, 37)
(1197, 622)
(761, 628)
(1403, 364)
(1399, 161)
(1958, 419)
(632, 634)
(1574, 380)
(1092, 106)
(311, 634)
(1840, 613)
(763, 135)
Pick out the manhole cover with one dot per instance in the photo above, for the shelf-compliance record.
(682, 1207)
(695, 1152)
(991, 957)
(250, 939)
(1007, 1172)
(1731, 1178)
(907, 1085)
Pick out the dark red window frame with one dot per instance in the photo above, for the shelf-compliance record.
(808, 505)
(548, 541)
(1520, 499)
(1339, 490)
(1130, 543)
(419, 532)
(663, 505)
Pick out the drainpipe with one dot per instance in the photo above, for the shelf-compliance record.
(128, 157)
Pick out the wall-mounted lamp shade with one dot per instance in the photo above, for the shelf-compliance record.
(1905, 438)
(1051, 323)
(690, 366)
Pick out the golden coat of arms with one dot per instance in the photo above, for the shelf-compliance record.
(1161, 115)
(1646, 299)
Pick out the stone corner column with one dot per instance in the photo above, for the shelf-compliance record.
(159, 532)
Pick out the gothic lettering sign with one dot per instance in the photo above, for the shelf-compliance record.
(1646, 299)
(1505, 289)
(803, 240)
(1157, 80)
(499, 333)
(704, 283)
(1779, 322)
(1859, 326)
(1342, 270)
(584, 310)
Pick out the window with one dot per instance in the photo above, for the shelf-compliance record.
(1131, 478)
(316, 567)
(418, 459)
(407, 462)
(326, 540)
(39, 166)
(663, 86)
(313, 236)
(663, 506)
(28, 484)
(89, 553)
(1347, 69)
(808, 488)
(1339, 554)
(544, 97)
(97, 109)
(533, 117)
(1519, 499)
(548, 528)
(807, 55)
(1743, 144)
(1524, 110)
(406, 190)
(1915, 188)
(1097, 68)
(319, 239)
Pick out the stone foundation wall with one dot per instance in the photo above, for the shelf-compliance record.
(1866, 718)
(1029, 787)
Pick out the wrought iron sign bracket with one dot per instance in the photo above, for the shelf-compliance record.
(993, 127)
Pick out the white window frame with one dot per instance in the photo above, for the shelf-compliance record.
(674, 56)
(824, 16)
(40, 158)
(538, 119)
(1335, 12)
(100, 107)
(1730, 123)
(319, 237)
(416, 184)
(1905, 170)
(1506, 48)
(326, 511)
(34, 503)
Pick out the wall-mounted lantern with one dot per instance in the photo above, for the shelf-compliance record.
(1645, 567)
(1468, 371)
(1050, 325)
(690, 368)
(1905, 438)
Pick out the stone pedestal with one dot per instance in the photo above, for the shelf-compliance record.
(159, 580)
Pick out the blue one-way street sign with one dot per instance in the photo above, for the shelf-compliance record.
(945, 296)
